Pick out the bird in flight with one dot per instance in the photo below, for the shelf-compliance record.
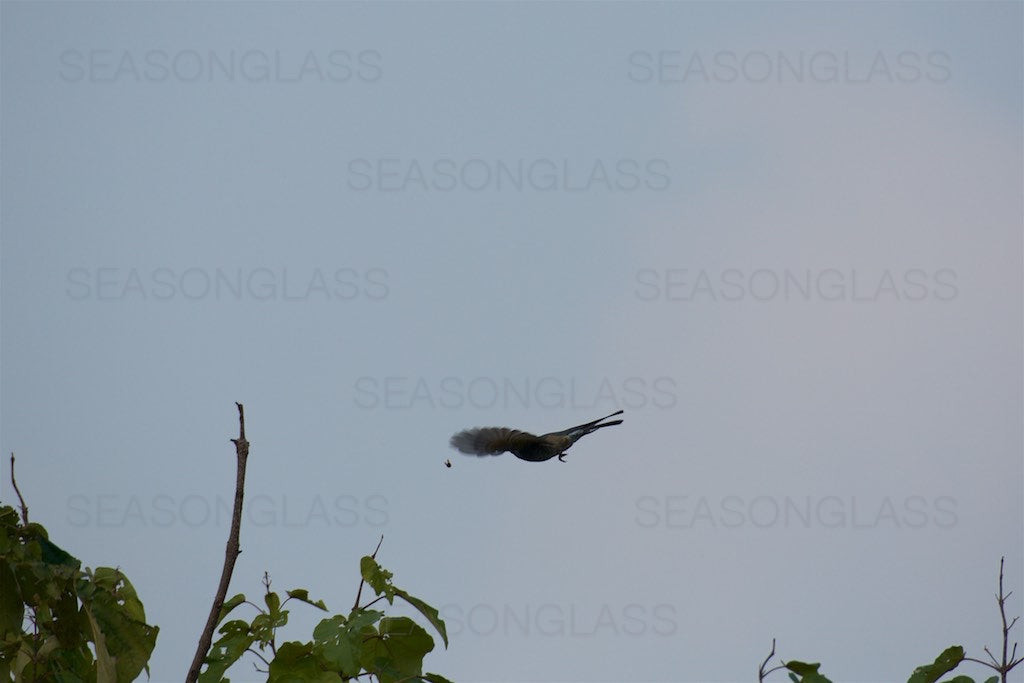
(525, 446)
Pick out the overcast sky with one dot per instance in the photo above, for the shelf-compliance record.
(784, 238)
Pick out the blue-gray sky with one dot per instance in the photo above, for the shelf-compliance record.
(785, 238)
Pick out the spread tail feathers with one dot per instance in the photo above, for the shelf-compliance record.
(486, 440)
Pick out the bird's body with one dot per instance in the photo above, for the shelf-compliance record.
(523, 445)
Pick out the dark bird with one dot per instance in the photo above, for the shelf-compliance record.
(525, 446)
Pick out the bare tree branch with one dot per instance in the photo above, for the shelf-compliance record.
(24, 508)
(1009, 660)
(230, 553)
(761, 672)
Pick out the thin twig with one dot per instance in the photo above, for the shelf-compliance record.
(1008, 662)
(24, 508)
(259, 608)
(990, 665)
(760, 669)
(1002, 609)
(256, 652)
(374, 601)
(761, 673)
(231, 552)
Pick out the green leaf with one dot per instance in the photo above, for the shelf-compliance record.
(12, 609)
(397, 652)
(296, 663)
(303, 595)
(993, 679)
(962, 679)
(802, 668)
(117, 620)
(329, 628)
(945, 662)
(340, 641)
(333, 645)
(53, 554)
(106, 671)
(378, 577)
(808, 673)
(68, 623)
(342, 653)
(361, 617)
(435, 678)
(9, 518)
(114, 582)
(236, 638)
(429, 612)
(273, 601)
(264, 625)
(229, 605)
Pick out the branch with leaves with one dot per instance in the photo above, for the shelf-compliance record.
(800, 672)
(362, 643)
(951, 657)
(82, 624)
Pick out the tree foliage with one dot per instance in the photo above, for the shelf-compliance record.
(59, 622)
(803, 672)
(343, 646)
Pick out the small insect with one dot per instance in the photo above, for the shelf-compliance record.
(447, 463)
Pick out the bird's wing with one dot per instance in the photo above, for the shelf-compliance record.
(490, 440)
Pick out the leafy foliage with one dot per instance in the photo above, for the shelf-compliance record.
(944, 663)
(949, 659)
(802, 672)
(71, 613)
(344, 646)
